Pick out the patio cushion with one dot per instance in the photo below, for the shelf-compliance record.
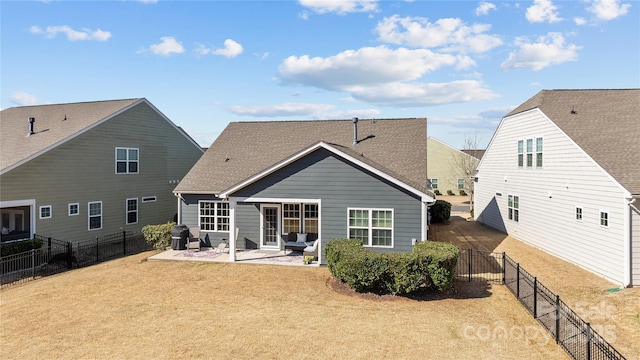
(302, 237)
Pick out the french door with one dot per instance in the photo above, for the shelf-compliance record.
(270, 229)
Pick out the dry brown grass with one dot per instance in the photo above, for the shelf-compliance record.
(134, 309)
(615, 315)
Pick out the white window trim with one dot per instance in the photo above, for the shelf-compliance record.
(127, 211)
(370, 227)
(513, 196)
(304, 217)
(147, 199)
(527, 152)
(600, 219)
(215, 216)
(575, 214)
(536, 152)
(89, 216)
(69, 209)
(44, 207)
(521, 153)
(283, 218)
(463, 184)
(127, 161)
(431, 182)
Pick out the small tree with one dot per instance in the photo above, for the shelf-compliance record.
(467, 163)
(159, 236)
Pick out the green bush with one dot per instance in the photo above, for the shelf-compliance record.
(430, 266)
(440, 211)
(437, 192)
(463, 193)
(449, 192)
(18, 247)
(159, 236)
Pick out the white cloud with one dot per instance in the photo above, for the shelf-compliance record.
(608, 9)
(449, 35)
(73, 35)
(340, 7)
(543, 11)
(231, 49)
(148, 1)
(484, 8)
(22, 98)
(366, 66)
(285, 109)
(579, 20)
(168, 46)
(547, 50)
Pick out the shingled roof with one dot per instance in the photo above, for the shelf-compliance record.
(396, 147)
(604, 123)
(54, 124)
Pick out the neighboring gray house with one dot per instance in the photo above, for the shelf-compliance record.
(562, 173)
(83, 170)
(269, 179)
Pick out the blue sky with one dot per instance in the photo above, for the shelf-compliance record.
(461, 64)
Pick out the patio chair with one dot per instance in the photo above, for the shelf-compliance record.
(193, 242)
(220, 248)
(312, 250)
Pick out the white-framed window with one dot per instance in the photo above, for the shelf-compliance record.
(95, 215)
(74, 209)
(45, 212)
(149, 199)
(374, 227)
(127, 160)
(538, 152)
(311, 218)
(132, 211)
(520, 153)
(460, 184)
(604, 218)
(514, 208)
(579, 213)
(434, 183)
(529, 152)
(290, 218)
(214, 215)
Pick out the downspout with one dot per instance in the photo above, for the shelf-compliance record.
(631, 200)
(180, 198)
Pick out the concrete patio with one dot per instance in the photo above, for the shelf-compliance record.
(270, 257)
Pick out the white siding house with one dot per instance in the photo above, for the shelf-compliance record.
(559, 174)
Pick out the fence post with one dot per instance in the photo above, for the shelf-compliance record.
(124, 243)
(504, 267)
(33, 263)
(470, 267)
(518, 281)
(588, 341)
(535, 298)
(69, 255)
(557, 319)
(48, 248)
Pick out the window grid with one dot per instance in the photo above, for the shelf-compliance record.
(514, 208)
(539, 152)
(434, 183)
(520, 153)
(132, 211)
(45, 212)
(95, 215)
(311, 218)
(127, 160)
(604, 218)
(529, 152)
(291, 218)
(460, 184)
(214, 216)
(374, 227)
(578, 213)
(74, 209)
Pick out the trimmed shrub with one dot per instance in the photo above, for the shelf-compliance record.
(437, 192)
(18, 247)
(159, 236)
(463, 193)
(440, 211)
(430, 266)
(449, 192)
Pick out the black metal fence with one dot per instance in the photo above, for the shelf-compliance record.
(570, 331)
(56, 256)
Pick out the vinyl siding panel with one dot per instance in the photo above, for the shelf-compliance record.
(549, 196)
(635, 245)
(82, 170)
(443, 163)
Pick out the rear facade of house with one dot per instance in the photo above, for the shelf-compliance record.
(106, 176)
(326, 189)
(558, 175)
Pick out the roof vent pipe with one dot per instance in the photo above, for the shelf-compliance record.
(31, 121)
(355, 131)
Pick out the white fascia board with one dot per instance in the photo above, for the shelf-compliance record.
(301, 154)
(196, 192)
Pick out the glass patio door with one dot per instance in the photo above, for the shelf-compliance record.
(270, 226)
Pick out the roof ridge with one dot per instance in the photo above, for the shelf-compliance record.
(74, 103)
(321, 120)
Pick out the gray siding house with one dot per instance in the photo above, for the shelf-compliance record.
(260, 181)
(561, 173)
(83, 170)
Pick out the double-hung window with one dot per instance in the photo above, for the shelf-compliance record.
(520, 153)
(604, 218)
(514, 208)
(95, 215)
(132, 211)
(529, 152)
(374, 227)
(127, 160)
(578, 213)
(460, 184)
(434, 183)
(311, 218)
(214, 215)
(291, 218)
(539, 152)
